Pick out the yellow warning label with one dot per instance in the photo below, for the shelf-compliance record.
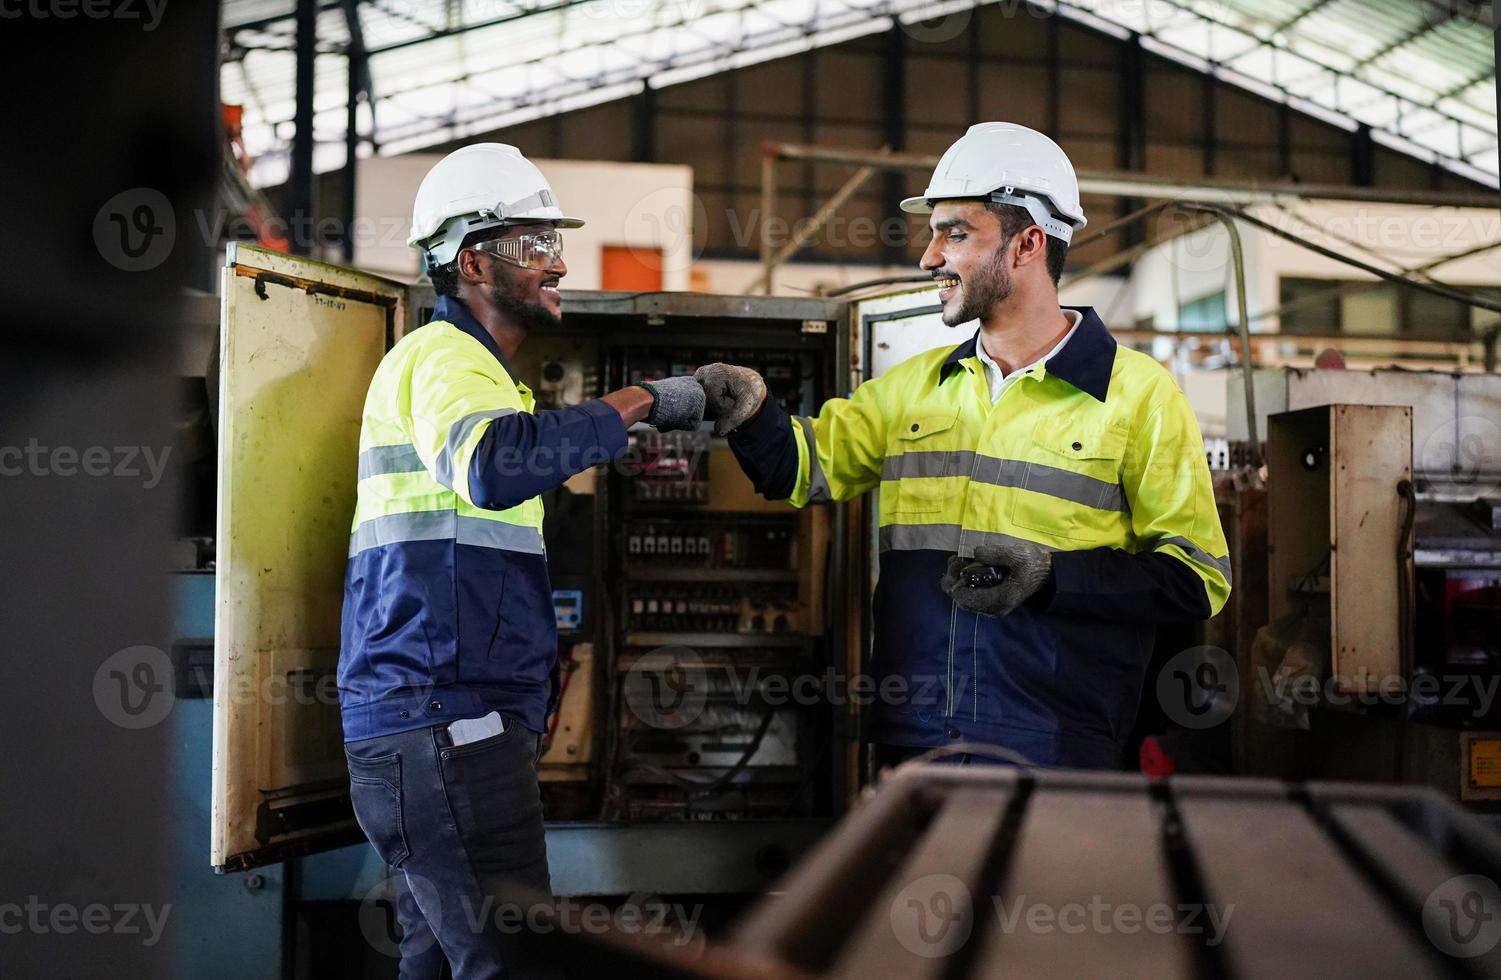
(1485, 763)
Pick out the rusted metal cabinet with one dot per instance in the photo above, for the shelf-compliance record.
(299, 343)
(1339, 529)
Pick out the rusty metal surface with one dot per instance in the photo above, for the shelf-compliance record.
(299, 342)
(980, 871)
(584, 301)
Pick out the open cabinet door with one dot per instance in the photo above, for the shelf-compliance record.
(887, 330)
(884, 331)
(299, 342)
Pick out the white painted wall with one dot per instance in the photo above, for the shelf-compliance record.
(1199, 264)
(736, 276)
(1110, 295)
(1192, 267)
(632, 204)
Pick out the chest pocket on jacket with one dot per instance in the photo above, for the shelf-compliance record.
(928, 464)
(1070, 485)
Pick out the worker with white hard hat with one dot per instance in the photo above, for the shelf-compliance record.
(1045, 500)
(447, 666)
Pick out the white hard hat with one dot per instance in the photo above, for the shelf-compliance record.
(486, 185)
(1008, 164)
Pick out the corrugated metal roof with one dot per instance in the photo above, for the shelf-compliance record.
(1420, 73)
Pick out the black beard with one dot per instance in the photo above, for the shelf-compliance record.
(982, 291)
(527, 316)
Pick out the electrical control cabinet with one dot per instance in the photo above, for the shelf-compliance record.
(698, 623)
(712, 597)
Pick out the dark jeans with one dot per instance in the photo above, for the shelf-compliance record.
(464, 825)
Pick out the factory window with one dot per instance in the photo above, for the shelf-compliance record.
(1205, 313)
(1366, 308)
(1484, 321)
(1373, 309)
(1309, 306)
(1437, 317)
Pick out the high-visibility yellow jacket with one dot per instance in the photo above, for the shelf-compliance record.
(448, 608)
(1095, 455)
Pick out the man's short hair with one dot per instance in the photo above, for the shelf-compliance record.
(445, 278)
(1014, 219)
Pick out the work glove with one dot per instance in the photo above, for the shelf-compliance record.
(677, 403)
(733, 395)
(998, 578)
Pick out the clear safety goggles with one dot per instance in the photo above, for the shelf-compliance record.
(535, 251)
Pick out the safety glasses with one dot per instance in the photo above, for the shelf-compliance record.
(538, 251)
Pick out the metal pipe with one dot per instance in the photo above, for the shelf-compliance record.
(1351, 288)
(815, 224)
(1400, 345)
(855, 287)
(300, 181)
(1437, 289)
(1115, 225)
(768, 206)
(1427, 287)
(357, 84)
(1247, 360)
(351, 155)
(1125, 256)
(1120, 184)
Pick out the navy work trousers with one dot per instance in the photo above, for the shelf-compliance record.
(463, 824)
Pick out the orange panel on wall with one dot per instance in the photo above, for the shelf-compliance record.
(634, 267)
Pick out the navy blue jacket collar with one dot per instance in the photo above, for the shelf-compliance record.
(1085, 361)
(452, 311)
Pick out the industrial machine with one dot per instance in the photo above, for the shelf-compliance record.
(688, 593)
(1381, 657)
(702, 740)
(689, 755)
(978, 871)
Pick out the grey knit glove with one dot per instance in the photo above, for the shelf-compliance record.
(733, 395)
(677, 403)
(998, 578)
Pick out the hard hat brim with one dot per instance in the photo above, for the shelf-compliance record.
(924, 205)
(564, 222)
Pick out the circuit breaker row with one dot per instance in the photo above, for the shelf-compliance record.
(729, 608)
(699, 545)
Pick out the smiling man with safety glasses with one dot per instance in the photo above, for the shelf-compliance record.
(447, 666)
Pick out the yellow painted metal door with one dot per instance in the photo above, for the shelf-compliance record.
(299, 342)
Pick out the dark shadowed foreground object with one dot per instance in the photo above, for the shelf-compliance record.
(978, 871)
